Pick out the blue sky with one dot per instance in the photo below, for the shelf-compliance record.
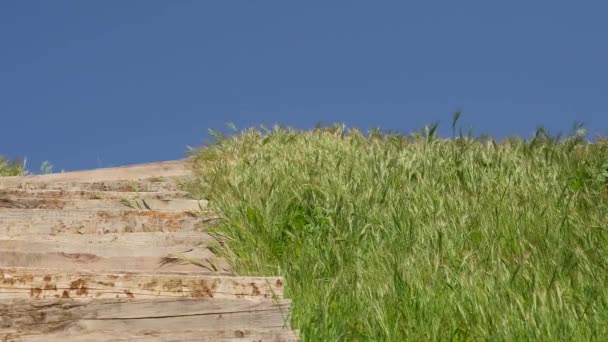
(86, 84)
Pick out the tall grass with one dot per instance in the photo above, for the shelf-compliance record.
(390, 237)
(10, 168)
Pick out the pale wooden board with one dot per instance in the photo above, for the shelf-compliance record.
(90, 262)
(175, 168)
(183, 205)
(236, 335)
(87, 194)
(137, 314)
(103, 250)
(122, 240)
(53, 283)
(43, 221)
(116, 186)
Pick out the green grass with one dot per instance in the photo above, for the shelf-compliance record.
(388, 237)
(10, 168)
(16, 167)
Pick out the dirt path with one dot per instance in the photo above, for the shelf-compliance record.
(79, 261)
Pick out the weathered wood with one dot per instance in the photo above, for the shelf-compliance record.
(183, 205)
(137, 314)
(42, 221)
(90, 194)
(91, 262)
(111, 244)
(126, 241)
(100, 250)
(166, 169)
(125, 186)
(80, 260)
(235, 335)
(53, 283)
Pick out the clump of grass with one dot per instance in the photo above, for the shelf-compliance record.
(46, 167)
(10, 168)
(391, 237)
(17, 167)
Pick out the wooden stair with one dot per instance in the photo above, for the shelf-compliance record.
(80, 260)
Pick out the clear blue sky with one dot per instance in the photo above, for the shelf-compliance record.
(100, 83)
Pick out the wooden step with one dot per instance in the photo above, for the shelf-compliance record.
(56, 221)
(91, 262)
(235, 335)
(130, 241)
(154, 185)
(86, 194)
(111, 249)
(184, 205)
(40, 283)
(125, 314)
(169, 169)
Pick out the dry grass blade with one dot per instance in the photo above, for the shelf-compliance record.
(181, 259)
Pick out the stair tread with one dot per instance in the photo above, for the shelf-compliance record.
(178, 205)
(89, 194)
(124, 240)
(43, 283)
(92, 221)
(156, 335)
(174, 168)
(126, 314)
(91, 262)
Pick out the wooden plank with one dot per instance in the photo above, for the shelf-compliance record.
(42, 221)
(137, 314)
(102, 250)
(119, 185)
(52, 283)
(91, 262)
(235, 335)
(86, 194)
(174, 168)
(97, 241)
(183, 205)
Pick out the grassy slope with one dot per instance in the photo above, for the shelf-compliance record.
(390, 238)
